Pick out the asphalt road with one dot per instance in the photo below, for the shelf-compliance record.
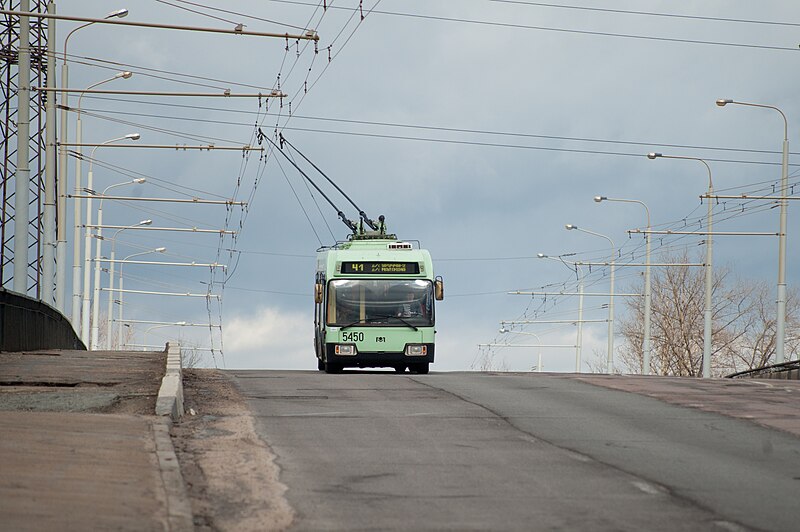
(471, 451)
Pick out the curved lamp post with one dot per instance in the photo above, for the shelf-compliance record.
(780, 327)
(62, 208)
(95, 336)
(87, 242)
(503, 330)
(78, 290)
(163, 325)
(709, 261)
(646, 349)
(110, 319)
(579, 335)
(610, 358)
(122, 263)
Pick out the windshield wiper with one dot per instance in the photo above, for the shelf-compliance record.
(386, 316)
(379, 317)
(359, 322)
(364, 321)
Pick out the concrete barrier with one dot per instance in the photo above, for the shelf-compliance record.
(170, 395)
(27, 324)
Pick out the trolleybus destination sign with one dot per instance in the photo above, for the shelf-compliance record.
(380, 267)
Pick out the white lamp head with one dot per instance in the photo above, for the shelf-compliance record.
(570, 227)
(139, 180)
(124, 75)
(541, 255)
(119, 13)
(723, 103)
(160, 250)
(654, 155)
(598, 199)
(133, 136)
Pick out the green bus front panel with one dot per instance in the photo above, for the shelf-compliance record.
(379, 339)
(377, 345)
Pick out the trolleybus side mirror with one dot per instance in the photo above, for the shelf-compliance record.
(438, 287)
(318, 292)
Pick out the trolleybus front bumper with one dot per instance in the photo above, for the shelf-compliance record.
(365, 359)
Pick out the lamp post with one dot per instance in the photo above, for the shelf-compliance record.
(163, 325)
(579, 335)
(87, 242)
(77, 289)
(122, 263)
(610, 358)
(780, 318)
(62, 207)
(110, 320)
(22, 172)
(503, 330)
(95, 336)
(646, 349)
(709, 280)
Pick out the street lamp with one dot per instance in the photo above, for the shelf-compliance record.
(709, 261)
(119, 13)
(62, 207)
(646, 350)
(122, 263)
(111, 279)
(162, 325)
(94, 341)
(610, 357)
(503, 330)
(579, 335)
(77, 292)
(780, 327)
(87, 251)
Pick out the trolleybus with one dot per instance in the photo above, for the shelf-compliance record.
(374, 304)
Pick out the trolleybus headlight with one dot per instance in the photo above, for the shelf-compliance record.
(416, 350)
(345, 350)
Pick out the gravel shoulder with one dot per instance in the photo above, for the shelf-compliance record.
(230, 473)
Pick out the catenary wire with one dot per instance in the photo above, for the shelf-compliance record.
(564, 30)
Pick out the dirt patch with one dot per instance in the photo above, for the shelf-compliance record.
(105, 382)
(230, 473)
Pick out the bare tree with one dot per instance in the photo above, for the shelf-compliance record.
(191, 356)
(128, 331)
(755, 348)
(743, 323)
(598, 363)
(487, 361)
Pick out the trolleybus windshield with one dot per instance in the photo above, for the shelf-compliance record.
(380, 302)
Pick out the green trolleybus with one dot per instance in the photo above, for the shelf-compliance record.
(374, 304)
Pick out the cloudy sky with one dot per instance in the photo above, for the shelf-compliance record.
(477, 127)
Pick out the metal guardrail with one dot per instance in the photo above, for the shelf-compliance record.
(786, 371)
(27, 324)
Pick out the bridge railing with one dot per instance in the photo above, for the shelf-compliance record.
(28, 324)
(786, 370)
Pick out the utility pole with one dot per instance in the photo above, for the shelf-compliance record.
(22, 142)
(49, 284)
(23, 174)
